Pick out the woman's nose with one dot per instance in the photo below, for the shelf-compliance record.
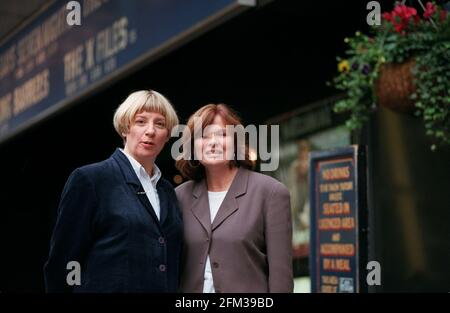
(213, 140)
(150, 131)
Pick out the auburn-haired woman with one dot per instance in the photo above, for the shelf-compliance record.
(237, 222)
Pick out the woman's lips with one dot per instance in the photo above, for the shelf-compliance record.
(215, 155)
(147, 144)
(213, 152)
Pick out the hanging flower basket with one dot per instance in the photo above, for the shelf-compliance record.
(404, 65)
(395, 85)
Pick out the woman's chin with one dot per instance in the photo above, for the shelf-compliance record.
(211, 162)
(147, 155)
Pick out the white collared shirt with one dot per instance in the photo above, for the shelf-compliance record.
(147, 182)
(215, 199)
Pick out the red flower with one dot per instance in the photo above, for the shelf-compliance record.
(404, 12)
(401, 16)
(430, 9)
(399, 28)
(387, 16)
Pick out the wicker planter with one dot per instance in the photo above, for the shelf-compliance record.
(395, 86)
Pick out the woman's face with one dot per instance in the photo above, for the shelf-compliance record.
(212, 146)
(146, 136)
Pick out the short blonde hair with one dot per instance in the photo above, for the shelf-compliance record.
(143, 100)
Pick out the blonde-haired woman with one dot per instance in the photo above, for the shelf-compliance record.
(118, 227)
(237, 223)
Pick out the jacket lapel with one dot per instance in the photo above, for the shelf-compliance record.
(135, 185)
(230, 205)
(163, 202)
(200, 205)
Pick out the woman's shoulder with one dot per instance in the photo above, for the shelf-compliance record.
(184, 188)
(93, 169)
(266, 182)
(95, 173)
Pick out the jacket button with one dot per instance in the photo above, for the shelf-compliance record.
(161, 240)
(218, 291)
(162, 268)
(215, 264)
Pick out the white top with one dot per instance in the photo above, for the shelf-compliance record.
(147, 182)
(215, 200)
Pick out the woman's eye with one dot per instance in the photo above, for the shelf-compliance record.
(139, 122)
(161, 124)
(215, 134)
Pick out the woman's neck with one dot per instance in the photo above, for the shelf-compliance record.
(220, 178)
(147, 164)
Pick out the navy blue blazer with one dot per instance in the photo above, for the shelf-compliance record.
(107, 224)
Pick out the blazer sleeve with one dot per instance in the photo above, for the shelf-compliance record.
(278, 234)
(72, 234)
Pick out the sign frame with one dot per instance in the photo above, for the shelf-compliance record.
(357, 155)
